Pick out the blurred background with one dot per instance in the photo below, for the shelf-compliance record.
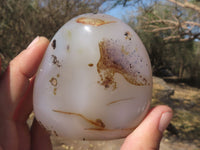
(170, 30)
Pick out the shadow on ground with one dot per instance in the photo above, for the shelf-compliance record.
(185, 102)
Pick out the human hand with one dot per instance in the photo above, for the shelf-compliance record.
(148, 134)
(16, 87)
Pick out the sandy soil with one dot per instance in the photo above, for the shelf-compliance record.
(166, 144)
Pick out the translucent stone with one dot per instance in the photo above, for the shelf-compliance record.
(95, 80)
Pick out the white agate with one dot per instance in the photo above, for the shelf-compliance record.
(94, 81)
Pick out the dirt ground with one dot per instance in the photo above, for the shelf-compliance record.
(166, 144)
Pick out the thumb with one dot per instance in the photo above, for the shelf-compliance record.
(148, 134)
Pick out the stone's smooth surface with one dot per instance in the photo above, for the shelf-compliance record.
(94, 81)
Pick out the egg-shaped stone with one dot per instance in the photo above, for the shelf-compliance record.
(94, 81)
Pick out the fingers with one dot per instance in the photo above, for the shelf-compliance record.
(15, 81)
(40, 139)
(25, 105)
(149, 133)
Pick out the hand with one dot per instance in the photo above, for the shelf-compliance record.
(16, 87)
(148, 134)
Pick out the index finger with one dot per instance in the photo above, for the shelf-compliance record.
(15, 80)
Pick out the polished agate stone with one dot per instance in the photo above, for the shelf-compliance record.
(95, 80)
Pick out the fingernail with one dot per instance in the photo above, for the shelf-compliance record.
(33, 42)
(165, 120)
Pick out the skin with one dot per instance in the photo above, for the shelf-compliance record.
(16, 89)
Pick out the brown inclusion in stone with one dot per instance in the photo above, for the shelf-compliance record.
(98, 122)
(112, 60)
(93, 21)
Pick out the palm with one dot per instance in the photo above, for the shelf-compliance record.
(12, 131)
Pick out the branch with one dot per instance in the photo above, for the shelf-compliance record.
(162, 29)
(181, 39)
(172, 37)
(192, 23)
(186, 4)
(178, 28)
(164, 21)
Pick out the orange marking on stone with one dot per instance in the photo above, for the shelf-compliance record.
(100, 129)
(120, 100)
(93, 21)
(99, 123)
